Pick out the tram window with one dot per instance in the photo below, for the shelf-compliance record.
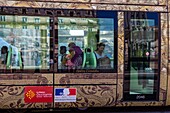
(86, 34)
(28, 47)
(142, 63)
(143, 40)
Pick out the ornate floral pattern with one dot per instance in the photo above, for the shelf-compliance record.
(12, 97)
(88, 95)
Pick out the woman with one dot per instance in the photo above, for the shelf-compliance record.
(77, 58)
(68, 57)
(101, 57)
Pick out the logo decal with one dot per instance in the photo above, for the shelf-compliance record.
(34, 94)
(30, 94)
(65, 94)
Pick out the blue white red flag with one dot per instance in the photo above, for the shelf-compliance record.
(65, 94)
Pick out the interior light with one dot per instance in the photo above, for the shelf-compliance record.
(76, 32)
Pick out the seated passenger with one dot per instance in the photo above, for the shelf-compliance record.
(105, 63)
(4, 54)
(101, 57)
(4, 57)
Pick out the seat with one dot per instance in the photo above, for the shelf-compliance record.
(9, 58)
(89, 59)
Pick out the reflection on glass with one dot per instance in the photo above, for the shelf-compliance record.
(144, 49)
(86, 33)
(27, 47)
(142, 77)
(143, 41)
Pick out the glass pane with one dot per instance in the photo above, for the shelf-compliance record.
(142, 77)
(143, 40)
(24, 44)
(91, 36)
(142, 51)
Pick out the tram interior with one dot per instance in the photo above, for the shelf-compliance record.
(27, 39)
(86, 33)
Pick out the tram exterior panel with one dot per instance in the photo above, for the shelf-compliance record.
(93, 89)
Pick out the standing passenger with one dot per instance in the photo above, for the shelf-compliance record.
(4, 54)
(77, 59)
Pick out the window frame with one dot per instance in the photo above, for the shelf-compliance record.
(52, 14)
(98, 14)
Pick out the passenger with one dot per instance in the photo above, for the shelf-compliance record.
(101, 57)
(77, 59)
(4, 57)
(105, 63)
(63, 50)
(4, 54)
(55, 57)
(37, 58)
(69, 63)
(22, 60)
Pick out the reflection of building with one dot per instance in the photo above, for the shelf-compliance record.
(26, 22)
(86, 33)
(26, 33)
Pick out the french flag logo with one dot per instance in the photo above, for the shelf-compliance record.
(65, 92)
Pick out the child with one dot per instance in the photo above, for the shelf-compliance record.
(63, 50)
(69, 63)
(105, 63)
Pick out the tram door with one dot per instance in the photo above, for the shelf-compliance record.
(142, 56)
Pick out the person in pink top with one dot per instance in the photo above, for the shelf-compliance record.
(69, 63)
(77, 59)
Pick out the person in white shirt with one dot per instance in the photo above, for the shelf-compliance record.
(99, 52)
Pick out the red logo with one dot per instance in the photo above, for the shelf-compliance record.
(38, 94)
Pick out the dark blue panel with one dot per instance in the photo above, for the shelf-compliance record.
(109, 14)
(153, 15)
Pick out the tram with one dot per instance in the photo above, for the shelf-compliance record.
(81, 54)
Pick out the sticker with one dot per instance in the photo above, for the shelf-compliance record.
(147, 53)
(65, 94)
(34, 94)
